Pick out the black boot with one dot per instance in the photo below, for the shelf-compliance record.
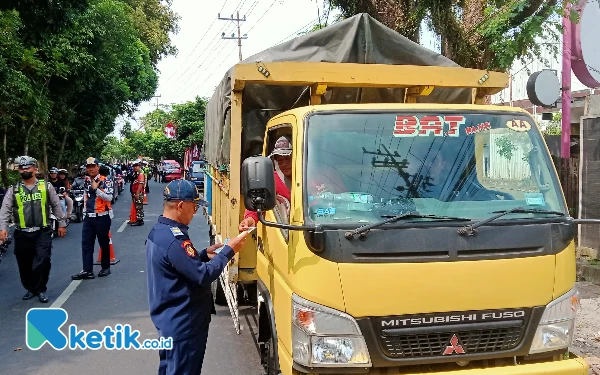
(138, 223)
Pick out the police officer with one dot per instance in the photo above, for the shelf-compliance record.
(98, 193)
(30, 202)
(137, 193)
(179, 279)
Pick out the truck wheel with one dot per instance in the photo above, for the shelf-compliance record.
(220, 294)
(271, 365)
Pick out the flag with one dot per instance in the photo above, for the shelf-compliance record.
(170, 131)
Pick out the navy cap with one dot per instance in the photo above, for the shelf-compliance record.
(91, 161)
(183, 190)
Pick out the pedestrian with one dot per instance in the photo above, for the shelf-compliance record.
(137, 193)
(146, 171)
(30, 202)
(155, 172)
(179, 280)
(98, 193)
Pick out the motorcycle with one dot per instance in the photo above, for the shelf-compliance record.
(120, 183)
(53, 220)
(77, 196)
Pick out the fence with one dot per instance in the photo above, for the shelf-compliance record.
(568, 174)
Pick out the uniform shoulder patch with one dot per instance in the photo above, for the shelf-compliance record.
(189, 248)
(176, 231)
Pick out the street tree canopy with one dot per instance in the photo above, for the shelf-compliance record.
(71, 67)
(480, 34)
(150, 140)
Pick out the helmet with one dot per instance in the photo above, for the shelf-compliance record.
(53, 170)
(63, 171)
(26, 161)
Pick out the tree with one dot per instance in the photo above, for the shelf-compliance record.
(154, 22)
(187, 117)
(481, 34)
(72, 66)
(554, 127)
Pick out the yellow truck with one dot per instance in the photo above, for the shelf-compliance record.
(412, 235)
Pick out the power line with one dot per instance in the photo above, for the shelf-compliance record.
(208, 48)
(198, 44)
(261, 17)
(223, 7)
(191, 53)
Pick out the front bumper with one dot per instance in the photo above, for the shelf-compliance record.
(573, 366)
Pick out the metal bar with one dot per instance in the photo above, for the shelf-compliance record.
(366, 75)
(565, 149)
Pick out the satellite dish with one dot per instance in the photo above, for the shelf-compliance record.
(543, 88)
(586, 54)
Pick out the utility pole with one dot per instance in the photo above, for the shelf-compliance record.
(239, 37)
(156, 96)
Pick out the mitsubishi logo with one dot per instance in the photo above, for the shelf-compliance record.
(454, 347)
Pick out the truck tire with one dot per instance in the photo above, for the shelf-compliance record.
(219, 294)
(267, 342)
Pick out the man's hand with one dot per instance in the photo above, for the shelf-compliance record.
(95, 184)
(236, 243)
(247, 223)
(62, 232)
(210, 251)
(3, 235)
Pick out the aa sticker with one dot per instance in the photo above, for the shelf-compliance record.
(518, 125)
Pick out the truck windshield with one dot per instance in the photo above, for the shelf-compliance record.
(361, 167)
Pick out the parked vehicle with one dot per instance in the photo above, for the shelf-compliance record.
(196, 174)
(174, 174)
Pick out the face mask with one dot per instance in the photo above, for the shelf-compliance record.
(26, 175)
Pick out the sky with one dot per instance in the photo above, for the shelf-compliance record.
(204, 57)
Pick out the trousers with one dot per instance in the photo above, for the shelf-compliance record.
(139, 206)
(33, 252)
(185, 358)
(95, 227)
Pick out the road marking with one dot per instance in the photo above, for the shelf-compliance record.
(122, 227)
(65, 294)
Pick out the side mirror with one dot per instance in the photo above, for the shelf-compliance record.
(258, 184)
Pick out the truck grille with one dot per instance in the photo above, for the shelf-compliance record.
(434, 344)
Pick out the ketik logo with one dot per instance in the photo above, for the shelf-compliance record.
(454, 347)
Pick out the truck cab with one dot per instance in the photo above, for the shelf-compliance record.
(424, 290)
(417, 237)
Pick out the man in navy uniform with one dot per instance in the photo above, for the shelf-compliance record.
(179, 280)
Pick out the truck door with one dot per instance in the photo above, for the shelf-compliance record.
(275, 241)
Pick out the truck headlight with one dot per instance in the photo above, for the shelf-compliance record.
(556, 328)
(324, 337)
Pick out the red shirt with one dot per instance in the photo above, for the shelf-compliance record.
(280, 189)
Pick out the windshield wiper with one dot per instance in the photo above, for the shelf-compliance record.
(391, 219)
(470, 230)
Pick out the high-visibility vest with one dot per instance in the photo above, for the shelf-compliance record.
(31, 207)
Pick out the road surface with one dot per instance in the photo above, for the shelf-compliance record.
(120, 298)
